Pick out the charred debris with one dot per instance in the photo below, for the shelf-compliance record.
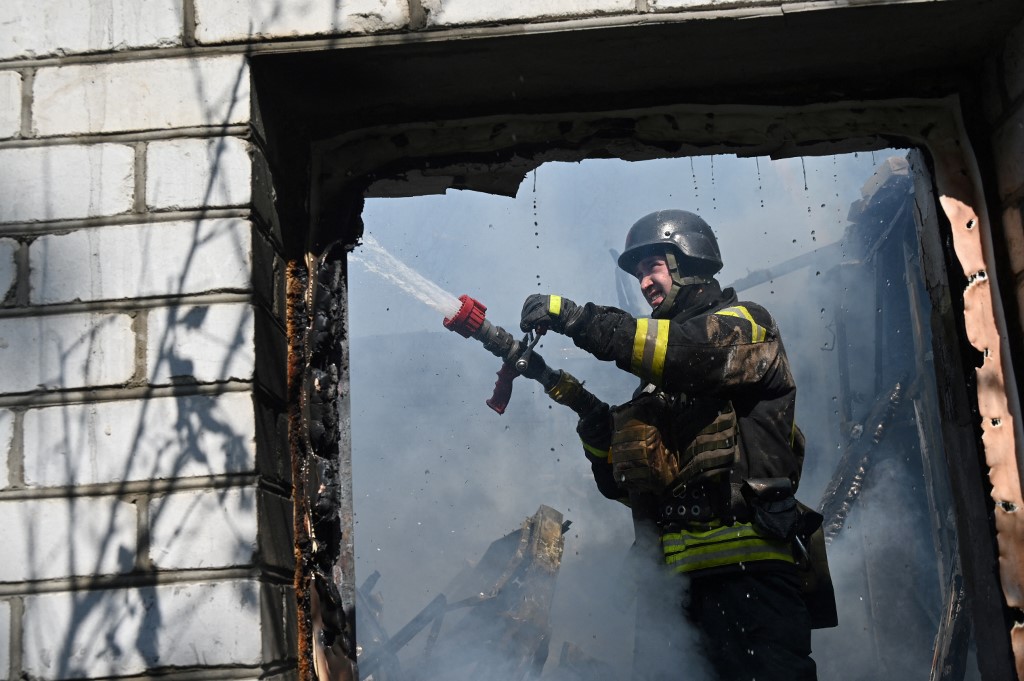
(492, 621)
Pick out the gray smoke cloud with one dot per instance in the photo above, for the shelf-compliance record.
(438, 476)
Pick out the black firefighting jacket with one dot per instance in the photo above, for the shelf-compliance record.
(712, 352)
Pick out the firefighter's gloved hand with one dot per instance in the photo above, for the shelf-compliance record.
(550, 312)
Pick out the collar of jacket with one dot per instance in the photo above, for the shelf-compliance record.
(697, 299)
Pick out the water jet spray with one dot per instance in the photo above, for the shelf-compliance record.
(467, 317)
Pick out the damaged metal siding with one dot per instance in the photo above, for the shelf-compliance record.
(962, 201)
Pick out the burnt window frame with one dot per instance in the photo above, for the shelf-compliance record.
(319, 175)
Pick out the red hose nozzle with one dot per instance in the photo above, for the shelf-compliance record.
(468, 319)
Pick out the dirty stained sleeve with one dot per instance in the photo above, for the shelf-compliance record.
(715, 354)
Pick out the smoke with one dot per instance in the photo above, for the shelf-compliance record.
(438, 476)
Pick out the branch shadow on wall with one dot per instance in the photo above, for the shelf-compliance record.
(183, 436)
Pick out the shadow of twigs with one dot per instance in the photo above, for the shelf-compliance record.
(130, 633)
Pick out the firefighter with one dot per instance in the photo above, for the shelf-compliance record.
(707, 453)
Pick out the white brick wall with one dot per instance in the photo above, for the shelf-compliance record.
(39, 27)
(65, 351)
(51, 538)
(194, 173)
(165, 259)
(5, 638)
(222, 20)
(10, 103)
(126, 631)
(203, 528)
(160, 438)
(6, 433)
(204, 342)
(8, 266)
(54, 183)
(450, 12)
(141, 95)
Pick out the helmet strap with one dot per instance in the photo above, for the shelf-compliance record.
(678, 281)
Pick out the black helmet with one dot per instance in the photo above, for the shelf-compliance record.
(685, 233)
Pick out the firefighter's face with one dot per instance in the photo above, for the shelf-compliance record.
(655, 279)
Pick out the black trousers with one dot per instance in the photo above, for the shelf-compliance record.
(753, 626)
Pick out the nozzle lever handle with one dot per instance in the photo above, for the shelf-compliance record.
(503, 388)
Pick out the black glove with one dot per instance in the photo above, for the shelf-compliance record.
(550, 312)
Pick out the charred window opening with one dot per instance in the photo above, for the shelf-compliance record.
(831, 245)
(328, 149)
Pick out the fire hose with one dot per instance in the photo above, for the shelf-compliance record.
(518, 358)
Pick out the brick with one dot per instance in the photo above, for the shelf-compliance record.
(204, 343)
(1008, 146)
(141, 95)
(273, 457)
(277, 538)
(8, 268)
(39, 27)
(159, 438)
(203, 529)
(275, 626)
(231, 20)
(53, 538)
(137, 261)
(66, 351)
(6, 438)
(119, 632)
(268, 276)
(451, 12)
(271, 351)
(5, 638)
(10, 103)
(220, 528)
(264, 196)
(93, 180)
(1013, 62)
(198, 173)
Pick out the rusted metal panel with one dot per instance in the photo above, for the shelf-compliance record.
(964, 209)
(954, 183)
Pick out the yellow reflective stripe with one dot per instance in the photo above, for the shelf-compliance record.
(555, 305)
(733, 558)
(792, 436)
(650, 345)
(599, 453)
(660, 350)
(757, 332)
(682, 539)
(689, 551)
(638, 345)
